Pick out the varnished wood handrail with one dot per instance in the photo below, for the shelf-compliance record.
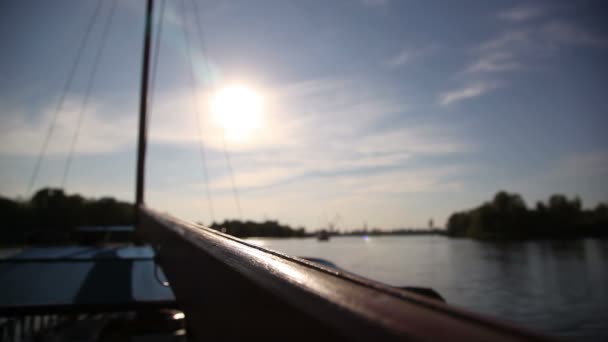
(230, 288)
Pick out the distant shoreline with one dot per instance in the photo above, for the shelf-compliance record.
(52, 217)
(507, 217)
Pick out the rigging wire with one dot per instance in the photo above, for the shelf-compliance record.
(231, 172)
(66, 87)
(155, 58)
(81, 114)
(196, 112)
(235, 193)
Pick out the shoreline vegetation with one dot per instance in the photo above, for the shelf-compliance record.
(507, 217)
(252, 229)
(52, 217)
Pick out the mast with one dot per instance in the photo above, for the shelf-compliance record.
(143, 111)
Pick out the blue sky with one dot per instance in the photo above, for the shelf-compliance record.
(383, 112)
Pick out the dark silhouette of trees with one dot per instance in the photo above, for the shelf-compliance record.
(51, 216)
(507, 217)
(245, 229)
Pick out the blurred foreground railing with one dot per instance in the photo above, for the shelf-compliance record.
(158, 325)
(27, 327)
(230, 289)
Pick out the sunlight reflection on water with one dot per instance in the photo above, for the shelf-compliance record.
(560, 288)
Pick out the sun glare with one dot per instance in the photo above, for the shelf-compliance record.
(238, 110)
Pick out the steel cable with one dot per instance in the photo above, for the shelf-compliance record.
(90, 82)
(66, 87)
(224, 145)
(195, 111)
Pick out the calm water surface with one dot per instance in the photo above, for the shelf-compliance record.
(560, 288)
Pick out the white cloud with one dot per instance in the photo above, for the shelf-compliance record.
(508, 40)
(314, 130)
(540, 40)
(357, 197)
(408, 55)
(494, 62)
(527, 47)
(415, 180)
(322, 140)
(257, 178)
(100, 132)
(467, 92)
(342, 156)
(508, 51)
(417, 140)
(323, 133)
(521, 13)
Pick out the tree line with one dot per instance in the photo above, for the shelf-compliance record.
(269, 228)
(50, 217)
(508, 217)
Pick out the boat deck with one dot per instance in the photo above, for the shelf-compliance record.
(85, 285)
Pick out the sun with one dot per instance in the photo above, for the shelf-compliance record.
(238, 111)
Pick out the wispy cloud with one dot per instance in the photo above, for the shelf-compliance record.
(509, 51)
(408, 55)
(521, 13)
(567, 33)
(338, 157)
(494, 62)
(540, 38)
(322, 138)
(414, 180)
(524, 48)
(322, 129)
(513, 38)
(468, 91)
(357, 195)
(100, 132)
(517, 47)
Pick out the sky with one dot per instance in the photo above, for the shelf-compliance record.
(378, 113)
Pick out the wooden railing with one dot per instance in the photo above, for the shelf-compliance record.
(230, 289)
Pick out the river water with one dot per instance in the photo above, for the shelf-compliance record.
(556, 287)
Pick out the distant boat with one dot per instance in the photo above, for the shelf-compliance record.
(323, 235)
